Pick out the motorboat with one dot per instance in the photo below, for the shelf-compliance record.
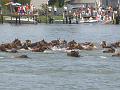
(90, 20)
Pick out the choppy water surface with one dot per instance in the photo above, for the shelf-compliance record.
(56, 71)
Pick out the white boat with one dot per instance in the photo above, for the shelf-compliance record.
(90, 20)
(85, 20)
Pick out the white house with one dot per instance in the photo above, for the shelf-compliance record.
(38, 3)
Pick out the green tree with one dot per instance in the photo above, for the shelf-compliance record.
(24, 1)
(57, 3)
(3, 2)
(4, 8)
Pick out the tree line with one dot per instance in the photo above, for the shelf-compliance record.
(3, 2)
(58, 3)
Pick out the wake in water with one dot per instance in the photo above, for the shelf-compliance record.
(2, 57)
(103, 57)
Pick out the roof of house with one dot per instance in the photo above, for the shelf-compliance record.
(82, 1)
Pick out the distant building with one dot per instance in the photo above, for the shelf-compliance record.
(85, 2)
(113, 3)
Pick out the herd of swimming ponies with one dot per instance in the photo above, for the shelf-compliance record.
(71, 48)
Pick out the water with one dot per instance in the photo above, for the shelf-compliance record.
(56, 71)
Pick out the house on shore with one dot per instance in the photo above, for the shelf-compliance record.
(38, 3)
(85, 3)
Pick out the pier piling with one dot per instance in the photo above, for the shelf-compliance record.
(16, 20)
(2, 19)
(19, 20)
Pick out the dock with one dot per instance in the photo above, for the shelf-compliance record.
(18, 19)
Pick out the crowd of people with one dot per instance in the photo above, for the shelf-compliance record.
(25, 9)
(100, 14)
